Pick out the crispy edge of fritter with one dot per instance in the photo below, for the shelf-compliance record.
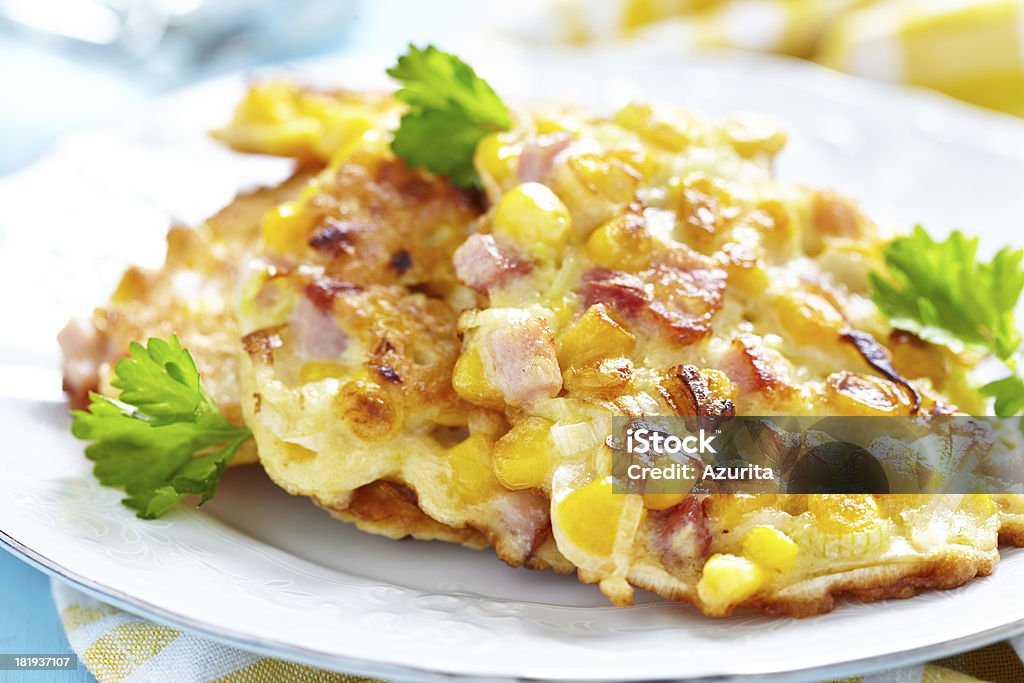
(1011, 529)
(112, 327)
(818, 595)
(390, 509)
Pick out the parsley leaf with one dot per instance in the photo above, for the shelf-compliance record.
(450, 110)
(164, 437)
(939, 291)
(942, 293)
(1008, 393)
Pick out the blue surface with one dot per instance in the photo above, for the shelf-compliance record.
(29, 622)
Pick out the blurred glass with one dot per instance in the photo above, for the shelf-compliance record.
(172, 40)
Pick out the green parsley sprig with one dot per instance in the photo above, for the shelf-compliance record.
(450, 110)
(941, 292)
(163, 438)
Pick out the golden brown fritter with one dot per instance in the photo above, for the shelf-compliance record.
(426, 361)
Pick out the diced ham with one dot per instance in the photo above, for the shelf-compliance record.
(319, 336)
(520, 360)
(483, 263)
(756, 369)
(680, 292)
(84, 349)
(622, 291)
(524, 517)
(681, 533)
(538, 157)
(688, 290)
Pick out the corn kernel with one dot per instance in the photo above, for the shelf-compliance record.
(268, 120)
(980, 503)
(808, 316)
(662, 501)
(746, 272)
(771, 548)
(497, 158)
(285, 227)
(608, 177)
(719, 384)
(133, 283)
(534, 216)
(282, 119)
(776, 221)
(366, 148)
(595, 336)
(589, 517)
(752, 135)
(295, 137)
(707, 211)
(522, 457)
(1009, 503)
(844, 513)
(556, 122)
(271, 102)
(642, 119)
(472, 476)
(471, 383)
(728, 580)
(623, 243)
(339, 135)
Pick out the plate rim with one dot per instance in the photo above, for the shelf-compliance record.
(364, 667)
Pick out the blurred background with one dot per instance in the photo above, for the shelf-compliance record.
(67, 63)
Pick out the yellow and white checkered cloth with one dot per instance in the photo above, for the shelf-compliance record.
(118, 646)
(970, 49)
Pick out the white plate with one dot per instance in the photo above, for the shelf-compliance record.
(260, 569)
